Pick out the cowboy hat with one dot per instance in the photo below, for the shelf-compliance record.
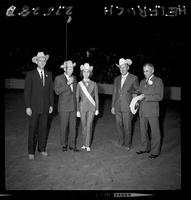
(86, 66)
(123, 61)
(68, 63)
(134, 105)
(39, 55)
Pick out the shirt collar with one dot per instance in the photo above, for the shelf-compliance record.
(124, 76)
(66, 75)
(39, 71)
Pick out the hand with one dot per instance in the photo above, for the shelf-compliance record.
(78, 114)
(113, 110)
(71, 80)
(96, 112)
(50, 109)
(142, 96)
(28, 111)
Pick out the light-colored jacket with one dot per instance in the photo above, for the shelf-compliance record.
(83, 103)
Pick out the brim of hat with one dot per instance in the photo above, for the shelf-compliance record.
(64, 66)
(123, 64)
(34, 59)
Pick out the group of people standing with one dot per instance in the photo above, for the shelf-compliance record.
(82, 100)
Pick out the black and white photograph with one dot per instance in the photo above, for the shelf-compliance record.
(92, 97)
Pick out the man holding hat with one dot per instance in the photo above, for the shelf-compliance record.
(151, 89)
(39, 99)
(65, 87)
(125, 86)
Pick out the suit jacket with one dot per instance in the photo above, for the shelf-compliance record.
(83, 102)
(149, 106)
(122, 97)
(37, 97)
(67, 97)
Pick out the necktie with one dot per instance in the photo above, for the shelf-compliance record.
(42, 78)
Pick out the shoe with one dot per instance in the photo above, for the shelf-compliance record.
(153, 156)
(76, 150)
(71, 148)
(64, 149)
(44, 153)
(88, 149)
(31, 157)
(83, 147)
(141, 152)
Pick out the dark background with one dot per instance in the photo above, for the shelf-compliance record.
(160, 40)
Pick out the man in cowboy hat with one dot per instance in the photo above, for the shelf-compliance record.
(152, 90)
(65, 87)
(125, 86)
(39, 98)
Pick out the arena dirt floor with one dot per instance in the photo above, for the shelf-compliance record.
(106, 167)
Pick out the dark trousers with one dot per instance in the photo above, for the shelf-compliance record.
(154, 144)
(37, 132)
(123, 125)
(68, 128)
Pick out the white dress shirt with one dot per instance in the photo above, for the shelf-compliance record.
(123, 79)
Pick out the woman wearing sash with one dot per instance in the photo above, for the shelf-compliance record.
(87, 103)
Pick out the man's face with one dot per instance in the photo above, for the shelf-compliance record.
(69, 70)
(41, 62)
(124, 69)
(148, 71)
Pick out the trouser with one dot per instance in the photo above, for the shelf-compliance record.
(37, 132)
(123, 125)
(68, 129)
(154, 144)
(87, 120)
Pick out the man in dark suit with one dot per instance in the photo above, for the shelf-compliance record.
(65, 86)
(123, 91)
(152, 92)
(39, 97)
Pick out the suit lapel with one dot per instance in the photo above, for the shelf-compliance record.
(37, 75)
(126, 81)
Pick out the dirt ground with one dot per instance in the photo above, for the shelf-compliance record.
(106, 167)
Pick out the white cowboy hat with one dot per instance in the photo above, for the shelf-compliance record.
(134, 105)
(68, 63)
(86, 66)
(123, 61)
(40, 54)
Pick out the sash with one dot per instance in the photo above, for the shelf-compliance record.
(84, 89)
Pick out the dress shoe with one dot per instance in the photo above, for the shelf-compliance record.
(64, 149)
(153, 156)
(141, 152)
(76, 150)
(83, 147)
(88, 149)
(71, 148)
(44, 153)
(31, 157)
